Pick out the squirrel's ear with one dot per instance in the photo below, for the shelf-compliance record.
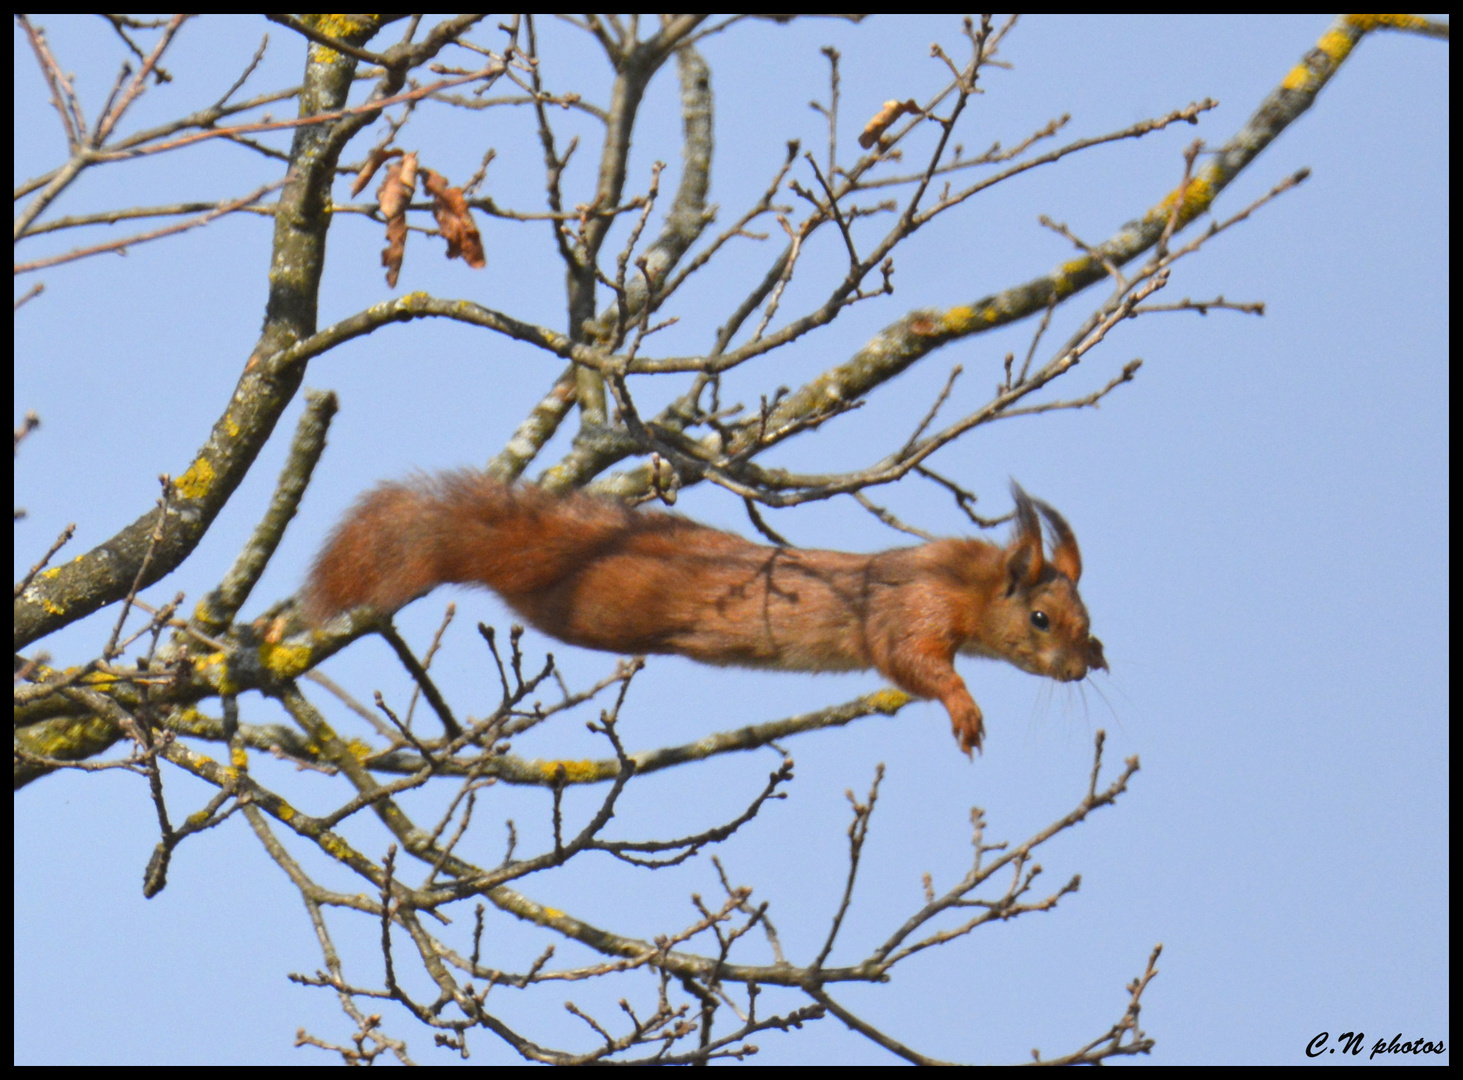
(1023, 554)
(1066, 559)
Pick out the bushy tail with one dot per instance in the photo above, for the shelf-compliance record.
(401, 540)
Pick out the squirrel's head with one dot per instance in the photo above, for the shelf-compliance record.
(1045, 629)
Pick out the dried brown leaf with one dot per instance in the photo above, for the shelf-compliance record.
(373, 162)
(891, 112)
(394, 195)
(455, 220)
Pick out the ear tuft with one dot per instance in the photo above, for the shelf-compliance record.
(1024, 561)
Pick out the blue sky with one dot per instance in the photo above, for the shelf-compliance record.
(1263, 516)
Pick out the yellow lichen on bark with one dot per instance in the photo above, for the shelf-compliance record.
(889, 700)
(575, 772)
(196, 482)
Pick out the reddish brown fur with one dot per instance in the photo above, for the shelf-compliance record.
(592, 572)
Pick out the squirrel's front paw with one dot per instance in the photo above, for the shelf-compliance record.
(968, 726)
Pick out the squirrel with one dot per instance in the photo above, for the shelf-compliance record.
(593, 572)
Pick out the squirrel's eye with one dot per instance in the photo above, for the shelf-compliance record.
(1040, 621)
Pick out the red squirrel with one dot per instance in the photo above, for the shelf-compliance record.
(593, 572)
